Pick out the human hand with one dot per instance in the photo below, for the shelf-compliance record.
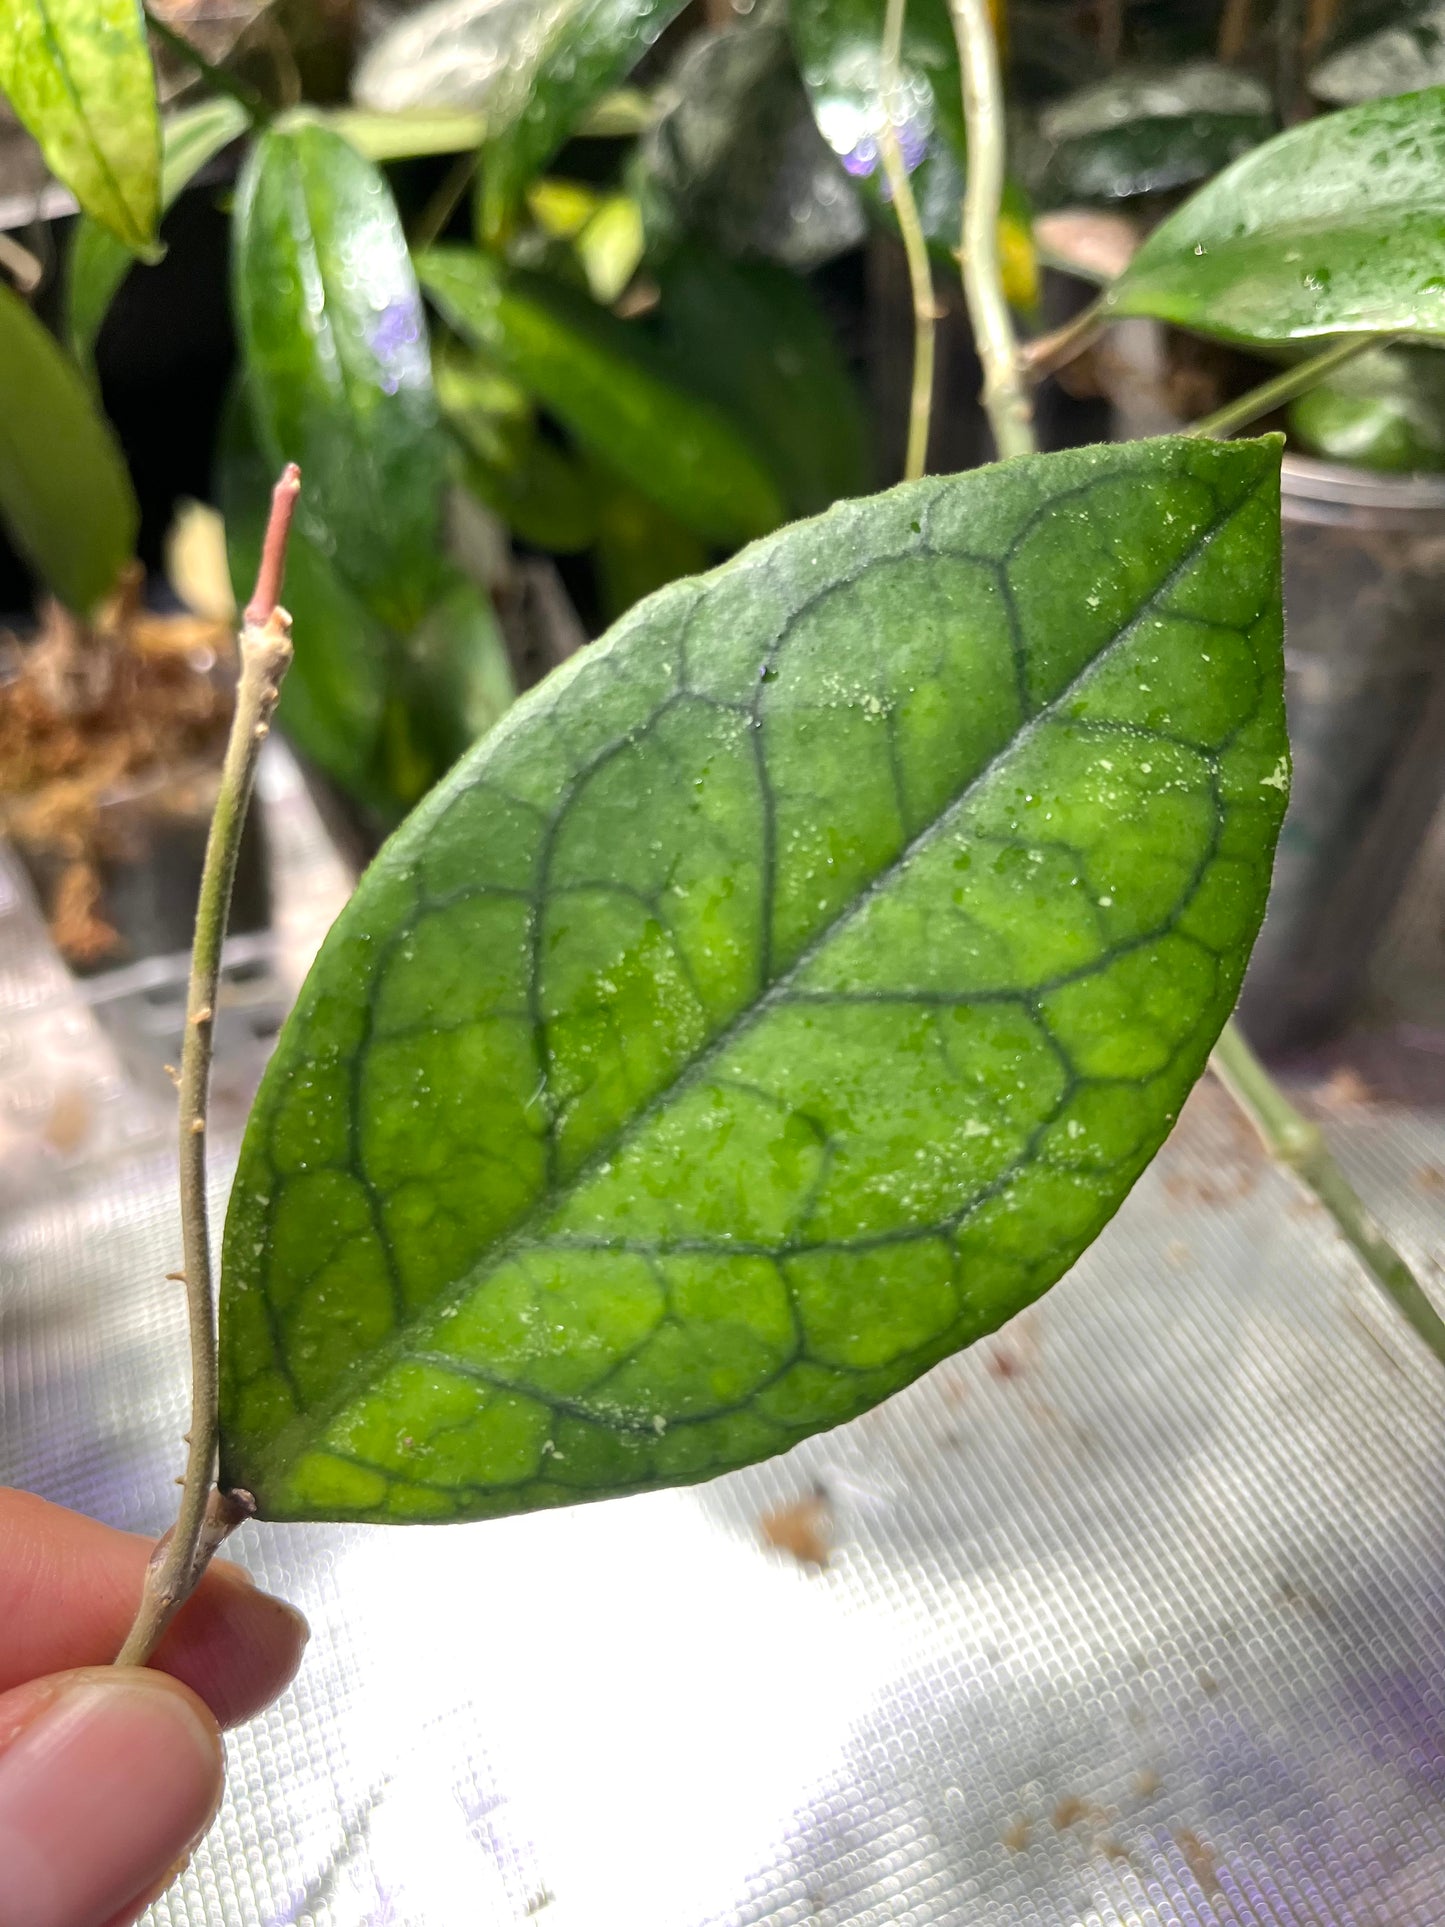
(109, 1776)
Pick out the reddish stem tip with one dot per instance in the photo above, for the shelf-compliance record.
(271, 573)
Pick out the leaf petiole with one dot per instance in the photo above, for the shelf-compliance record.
(1281, 388)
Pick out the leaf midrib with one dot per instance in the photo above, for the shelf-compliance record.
(308, 1427)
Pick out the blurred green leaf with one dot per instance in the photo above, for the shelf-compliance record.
(460, 678)
(1384, 411)
(640, 547)
(98, 262)
(575, 52)
(736, 157)
(65, 496)
(405, 136)
(537, 489)
(1147, 132)
(336, 690)
(608, 386)
(78, 74)
(1395, 48)
(337, 363)
(1333, 227)
(751, 337)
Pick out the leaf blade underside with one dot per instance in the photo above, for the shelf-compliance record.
(783, 994)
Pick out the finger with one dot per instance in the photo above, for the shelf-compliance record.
(69, 1588)
(108, 1777)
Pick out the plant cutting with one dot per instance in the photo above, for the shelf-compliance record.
(786, 990)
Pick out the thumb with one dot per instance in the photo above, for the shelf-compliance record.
(108, 1777)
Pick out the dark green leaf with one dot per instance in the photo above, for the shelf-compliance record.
(601, 379)
(1334, 227)
(839, 47)
(751, 337)
(781, 998)
(1148, 132)
(459, 669)
(65, 496)
(737, 156)
(335, 693)
(1389, 49)
(78, 73)
(537, 489)
(337, 363)
(98, 262)
(640, 547)
(575, 51)
(1384, 411)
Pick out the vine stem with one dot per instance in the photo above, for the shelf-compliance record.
(1284, 387)
(1005, 390)
(1047, 353)
(206, 1516)
(1293, 1139)
(915, 248)
(1300, 1144)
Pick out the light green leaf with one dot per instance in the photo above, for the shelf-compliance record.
(406, 136)
(1390, 49)
(783, 995)
(337, 363)
(99, 263)
(1385, 410)
(602, 380)
(65, 496)
(1333, 227)
(78, 74)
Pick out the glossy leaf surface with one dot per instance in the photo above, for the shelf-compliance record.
(1333, 227)
(98, 262)
(572, 53)
(1393, 49)
(1145, 133)
(65, 496)
(1384, 411)
(600, 378)
(78, 74)
(337, 363)
(782, 996)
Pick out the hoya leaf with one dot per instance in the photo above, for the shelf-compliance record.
(98, 262)
(601, 379)
(1333, 227)
(1389, 49)
(78, 74)
(752, 337)
(781, 997)
(65, 496)
(640, 547)
(405, 136)
(337, 363)
(1385, 410)
(573, 53)
(1147, 132)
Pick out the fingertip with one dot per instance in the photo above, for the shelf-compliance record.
(237, 1646)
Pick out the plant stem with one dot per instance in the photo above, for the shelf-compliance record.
(1319, 18)
(915, 248)
(205, 1516)
(1048, 353)
(1233, 30)
(1005, 393)
(440, 208)
(1110, 21)
(246, 96)
(1282, 388)
(1300, 1144)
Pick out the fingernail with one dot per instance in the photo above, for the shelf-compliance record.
(101, 1791)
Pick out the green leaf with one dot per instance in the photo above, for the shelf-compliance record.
(460, 675)
(1384, 411)
(574, 53)
(602, 380)
(1147, 132)
(784, 995)
(640, 547)
(1333, 227)
(737, 158)
(1389, 49)
(337, 363)
(752, 338)
(839, 47)
(335, 693)
(406, 136)
(65, 496)
(78, 74)
(99, 263)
